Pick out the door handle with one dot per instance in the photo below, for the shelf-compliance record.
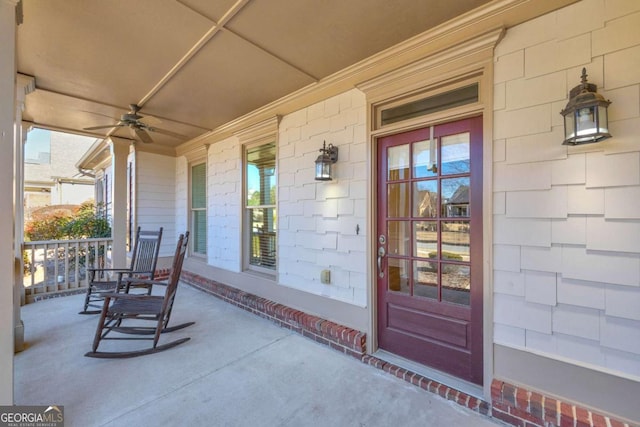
(381, 253)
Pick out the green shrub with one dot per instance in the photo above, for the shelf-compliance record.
(86, 223)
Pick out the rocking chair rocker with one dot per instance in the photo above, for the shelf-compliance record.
(122, 308)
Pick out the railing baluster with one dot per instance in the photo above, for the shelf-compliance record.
(38, 287)
(86, 263)
(95, 256)
(32, 267)
(56, 257)
(76, 258)
(45, 261)
(65, 284)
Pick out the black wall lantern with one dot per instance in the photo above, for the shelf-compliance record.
(585, 116)
(328, 156)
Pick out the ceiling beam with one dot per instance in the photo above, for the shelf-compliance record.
(273, 55)
(194, 49)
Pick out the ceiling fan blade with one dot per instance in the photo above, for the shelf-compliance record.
(103, 127)
(166, 132)
(95, 113)
(144, 136)
(149, 120)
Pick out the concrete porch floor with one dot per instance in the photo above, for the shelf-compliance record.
(237, 370)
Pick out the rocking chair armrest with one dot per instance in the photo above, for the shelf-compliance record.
(111, 270)
(138, 281)
(137, 272)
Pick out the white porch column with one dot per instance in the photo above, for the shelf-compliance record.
(119, 153)
(7, 188)
(24, 86)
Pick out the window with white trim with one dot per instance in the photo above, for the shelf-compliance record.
(198, 207)
(260, 207)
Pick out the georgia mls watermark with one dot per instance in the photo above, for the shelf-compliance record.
(32, 416)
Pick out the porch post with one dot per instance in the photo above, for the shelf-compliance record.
(24, 86)
(7, 196)
(119, 153)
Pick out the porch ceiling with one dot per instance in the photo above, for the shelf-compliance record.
(194, 65)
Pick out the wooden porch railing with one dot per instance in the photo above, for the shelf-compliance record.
(58, 267)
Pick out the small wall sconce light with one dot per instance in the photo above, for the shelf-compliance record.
(328, 156)
(585, 116)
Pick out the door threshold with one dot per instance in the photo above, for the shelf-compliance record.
(456, 383)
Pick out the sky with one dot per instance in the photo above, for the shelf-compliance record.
(38, 140)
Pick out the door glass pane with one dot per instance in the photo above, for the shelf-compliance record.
(399, 235)
(456, 284)
(426, 239)
(398, 275)
(455, 240)
(398, 162)
(455, 154)
(424, 159)
(398, 200)
(425, 279)
(455, 197)
(425, 199)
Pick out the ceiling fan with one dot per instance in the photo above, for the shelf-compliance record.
(138, 128)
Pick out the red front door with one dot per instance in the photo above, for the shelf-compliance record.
(429, 247)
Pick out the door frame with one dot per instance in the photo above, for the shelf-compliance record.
(433, 75)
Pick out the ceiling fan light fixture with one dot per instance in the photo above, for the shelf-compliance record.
(138, 128)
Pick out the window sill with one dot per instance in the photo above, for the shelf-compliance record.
(263, 275)
(198, 257)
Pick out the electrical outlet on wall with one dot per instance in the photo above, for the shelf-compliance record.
(325, 276)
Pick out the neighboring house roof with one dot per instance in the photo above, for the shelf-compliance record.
(460, 197)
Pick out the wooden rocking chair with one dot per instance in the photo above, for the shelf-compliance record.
(120, 308)
(143, 264)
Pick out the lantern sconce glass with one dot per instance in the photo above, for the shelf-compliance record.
(585, 116)
(328, 156)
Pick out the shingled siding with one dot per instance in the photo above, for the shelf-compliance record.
(322, 224)
(224, 190)
(567, 219)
